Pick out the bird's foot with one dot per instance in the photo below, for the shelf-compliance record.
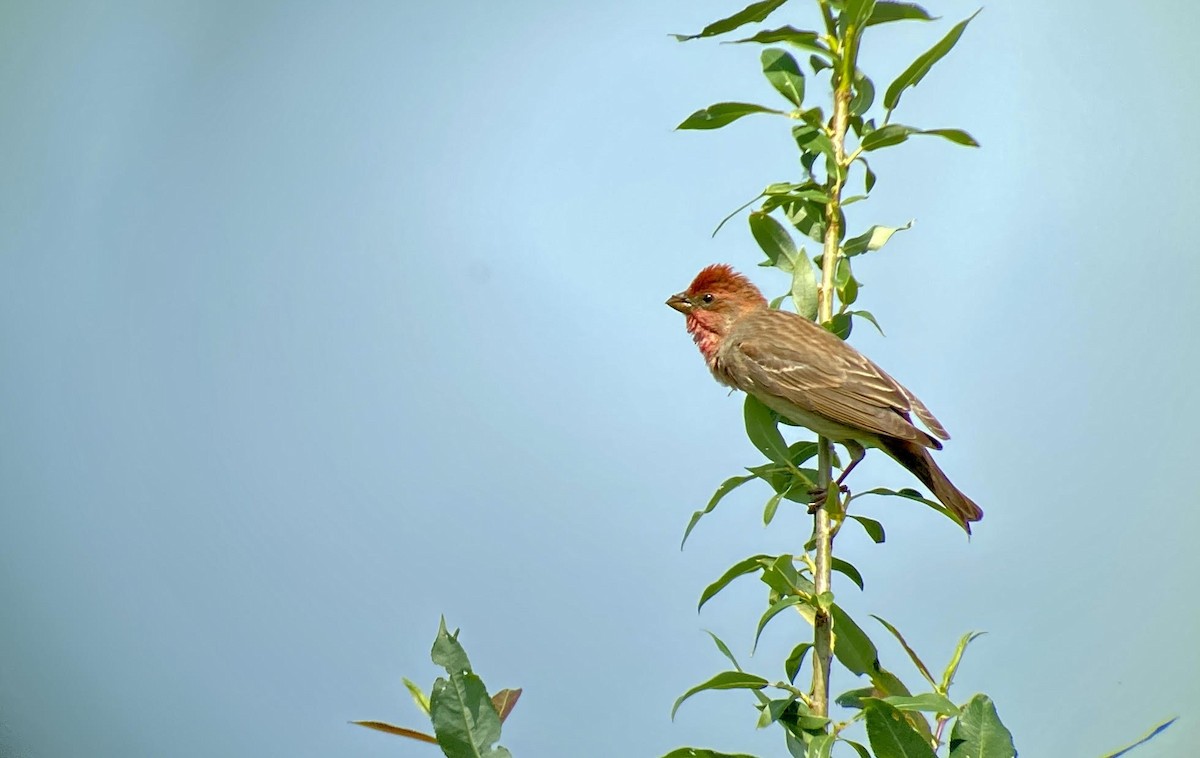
(819, 495)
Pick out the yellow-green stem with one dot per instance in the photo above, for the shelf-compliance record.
(822, 528)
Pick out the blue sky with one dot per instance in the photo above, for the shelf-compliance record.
(318, 322)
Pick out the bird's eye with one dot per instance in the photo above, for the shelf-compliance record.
(708, 297)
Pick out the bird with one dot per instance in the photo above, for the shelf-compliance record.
(812, 378)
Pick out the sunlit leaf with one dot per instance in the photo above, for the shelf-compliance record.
(741, 568)
(885, 136)
(748, 15)
(464, 719)
(886, 11)
(799, 38)
(958, 136)
(795, 660)
(724, 649)
(890, 733)
(447, 652)
(978, 732)
(873, 528)
(920, 67)
(1153, 733)
(726, 680)
(851, 645)
(821, 745)
(762, 430)
(727, 486)
(419, 697)
(864, 94)
(872, 239)
(800, 603)
(399, 731)
(804, 286)
(694, 752)
(722, 114)
(956, 659)
(784, 74)
(929, 702)
(848, 570)
(869, 317)
(912, 654)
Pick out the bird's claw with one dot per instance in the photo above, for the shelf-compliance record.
(819, 494)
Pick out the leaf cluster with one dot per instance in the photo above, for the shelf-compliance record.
(466, 719)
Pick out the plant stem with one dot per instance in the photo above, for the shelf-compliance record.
(822, 528)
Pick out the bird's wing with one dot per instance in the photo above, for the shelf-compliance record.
(787, 356)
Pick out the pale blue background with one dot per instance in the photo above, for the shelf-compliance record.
(320, 320)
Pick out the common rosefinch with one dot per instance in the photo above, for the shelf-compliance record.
(812, 378)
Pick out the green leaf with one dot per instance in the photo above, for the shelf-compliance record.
(724, 649)
(957, 136)
(854, 698)
(783, 577)
(860, 749)
(890, 733)
(869, 317)
(771, 507)
(419, 697)
(910, 494)
(920, 67)
(726, 680)
(818, 63)
(886, 11)
(694, 752)
(804, 287)
(894, 134)
(956, 659)
(840, 325)
(763, 433)
(847, 569)
(929, 702)
(773, 710)
(798, 602)
(851, 645)
(774, 240)
(912, 654)
(978, 732)
(1153, 733)
(869, 175)
(864, 94)
(723, 114)
(855, 14)
(448, 653)
(741, 568)
(784, 74)
(873, 528)
(741, 208)
(885, 136)
(504, 701)
(464, 719)
(727, 486)
(799, 38)
(821, 746)
(872, 239)
(748, 15)
(811, 139)
(795, 660)
(399, 731)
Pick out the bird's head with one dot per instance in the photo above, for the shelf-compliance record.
(714, 301)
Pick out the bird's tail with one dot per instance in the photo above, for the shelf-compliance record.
(917, 459)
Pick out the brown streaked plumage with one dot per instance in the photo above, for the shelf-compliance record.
(813, 378)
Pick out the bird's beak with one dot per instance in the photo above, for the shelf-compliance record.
(680, 302)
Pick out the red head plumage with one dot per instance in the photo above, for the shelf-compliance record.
(720, 279)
